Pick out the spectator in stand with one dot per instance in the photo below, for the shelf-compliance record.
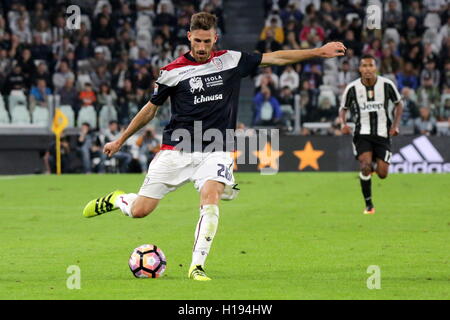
(86, 142)
(60, 77)
(149, 146)
(84, 49)
(267, 108)
(312, 33)
(390, 64)
(106, 96)
(272, 78)
(291, 13)
(289, 78)
(425, 123)
(101, 75)
(88, 96)
(268, 44)
(410, 110)
(40, 50)
(393, 16)
(408, 77)
(69, 95)
(103, 32)
(27, 65)
(428, 94)
(345, 76)
(430, 72)
(39, 95)
(277, 31)
(15, 80)
(123, 157)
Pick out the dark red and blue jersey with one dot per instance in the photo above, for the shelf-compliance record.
(203, 96)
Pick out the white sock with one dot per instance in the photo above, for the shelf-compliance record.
(204, 233)
(363, 177)
(124, 202)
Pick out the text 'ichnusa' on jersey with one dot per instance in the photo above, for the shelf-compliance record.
(369, 106)
(204, 98)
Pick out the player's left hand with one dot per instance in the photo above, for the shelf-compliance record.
(332, 49)
(394, 131)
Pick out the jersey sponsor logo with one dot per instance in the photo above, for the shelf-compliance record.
(196, 83)
(202, 98)
(218, 63)
(185, 71)
(369, 106)
(419, 157)
(214, 81)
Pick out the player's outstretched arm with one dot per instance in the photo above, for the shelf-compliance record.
(284, 57)
(144, 116)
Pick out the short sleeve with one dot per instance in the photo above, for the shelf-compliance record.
(347, 97)
(162, 89)
(394, 95)
(248, 63)
(160, 94)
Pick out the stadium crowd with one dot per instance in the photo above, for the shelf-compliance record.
(412, 48)
(99, 74)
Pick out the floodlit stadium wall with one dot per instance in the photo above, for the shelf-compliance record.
(22, 154)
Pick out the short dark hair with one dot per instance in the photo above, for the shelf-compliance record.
(367, 56)
(203, 21)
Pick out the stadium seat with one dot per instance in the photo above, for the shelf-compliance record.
(69, 113)
(107, 114)
(20, 115)
(4, 117)
(87, 114)
(41, 116)
(432, 20)
(327, 94)
(2, 102)
(15, 100)
(143, 23)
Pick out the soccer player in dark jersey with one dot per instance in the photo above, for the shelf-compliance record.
(368, 100)
(203, 86)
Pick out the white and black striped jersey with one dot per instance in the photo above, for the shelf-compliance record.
(369, 106)
(206, 92)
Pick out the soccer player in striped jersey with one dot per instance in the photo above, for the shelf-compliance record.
(203, 86)
(368, 98)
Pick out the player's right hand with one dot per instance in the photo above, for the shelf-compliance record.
(346, 129)
(111, 147)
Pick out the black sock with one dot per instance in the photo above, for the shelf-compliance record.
(366, 187)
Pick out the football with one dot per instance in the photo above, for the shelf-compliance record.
(147, 261)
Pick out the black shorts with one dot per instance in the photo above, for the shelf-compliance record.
(379, 146)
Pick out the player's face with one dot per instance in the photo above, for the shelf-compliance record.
(368, 69)
(202, 42)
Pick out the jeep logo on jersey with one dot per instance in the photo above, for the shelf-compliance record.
(196, 83)
(419, 157)
(370, 106)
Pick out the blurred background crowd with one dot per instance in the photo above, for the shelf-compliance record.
(101, 73)
(412, 48)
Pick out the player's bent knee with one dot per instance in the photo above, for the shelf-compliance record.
(382, 175)
(366, 168)
(143, 208)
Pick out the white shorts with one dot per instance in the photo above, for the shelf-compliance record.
(171, 169)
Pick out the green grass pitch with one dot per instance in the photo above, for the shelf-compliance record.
(287, 236)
